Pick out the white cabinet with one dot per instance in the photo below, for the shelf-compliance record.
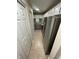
(54, 11)
(57, 9)
(24, 32)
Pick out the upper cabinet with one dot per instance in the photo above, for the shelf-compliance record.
(57, 9)
(23, 2)
(54, 11)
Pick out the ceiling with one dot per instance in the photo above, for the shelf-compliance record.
(42, 6)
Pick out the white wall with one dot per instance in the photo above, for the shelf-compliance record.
(25, 29)
(37, 18)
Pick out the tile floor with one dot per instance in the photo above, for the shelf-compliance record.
(37, 50)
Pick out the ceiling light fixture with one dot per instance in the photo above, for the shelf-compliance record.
(35, 8)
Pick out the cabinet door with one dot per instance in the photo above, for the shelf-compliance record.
(57, 9)
(24, 34)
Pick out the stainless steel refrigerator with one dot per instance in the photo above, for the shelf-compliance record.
(52, 26)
